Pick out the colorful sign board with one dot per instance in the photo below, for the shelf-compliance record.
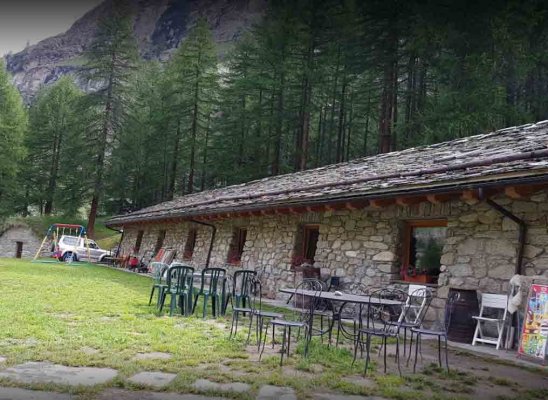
(534, 334)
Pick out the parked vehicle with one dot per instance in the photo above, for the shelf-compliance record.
(78, 248)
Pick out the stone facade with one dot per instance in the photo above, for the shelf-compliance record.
(18, 233)
(364, 246)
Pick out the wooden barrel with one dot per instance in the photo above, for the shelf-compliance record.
(462, 325)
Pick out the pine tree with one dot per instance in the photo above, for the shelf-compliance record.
(194, 78)
(13, 127)
(54, 123)
(110, 63)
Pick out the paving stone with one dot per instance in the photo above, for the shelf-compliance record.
(45, 372)
(2, 359)
(24, 394)
(155, 355)
(120, 394)
(205, 385)
(269, 392)
(331, 396)
(156, 379)
(360, 381)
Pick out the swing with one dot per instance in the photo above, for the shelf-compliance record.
(53, 235)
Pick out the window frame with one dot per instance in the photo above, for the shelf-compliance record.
(160, 240)
(237, 245)
(302, 248)
(138, 241)
(190, 244)
(409, 225)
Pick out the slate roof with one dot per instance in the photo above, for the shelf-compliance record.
(507, 154)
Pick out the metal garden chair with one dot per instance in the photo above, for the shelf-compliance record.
(379, 324)
(302, 318)
(212, 286)
(413, 311)
(439, 332)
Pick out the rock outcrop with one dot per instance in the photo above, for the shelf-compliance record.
(159, 26)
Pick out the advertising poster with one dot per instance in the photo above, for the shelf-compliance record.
(534, 335)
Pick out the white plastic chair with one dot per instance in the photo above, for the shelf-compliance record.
(491, 304)
(416, 304)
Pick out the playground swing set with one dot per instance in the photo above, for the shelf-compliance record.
(54, 233)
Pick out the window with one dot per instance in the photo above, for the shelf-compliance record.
(18, 249)
(160, 241)
(307, 242)
(139, 241)
(423, 247)
(70, 240)
(236, 250)
(190, 244)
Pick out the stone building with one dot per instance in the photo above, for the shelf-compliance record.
(18, 240)
(468, 213)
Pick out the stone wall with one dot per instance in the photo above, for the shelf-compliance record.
(364, 246)
(19, 233)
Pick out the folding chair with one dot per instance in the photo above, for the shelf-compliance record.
(492, 305)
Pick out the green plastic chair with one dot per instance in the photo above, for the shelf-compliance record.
(159, 271)
(212, 287)
(180, 280)
(242, 285)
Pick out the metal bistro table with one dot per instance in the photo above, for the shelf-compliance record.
(343, 298)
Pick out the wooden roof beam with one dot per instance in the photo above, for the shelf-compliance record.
(440, 197)
(407, 201)
(381, 203)
(519, 192)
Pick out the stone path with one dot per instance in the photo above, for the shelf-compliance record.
(269, 392)
(23, 394)
(204, 385)
(155, 355)
(44, 372)
(155, 379)
(331, 396)
(119, 394)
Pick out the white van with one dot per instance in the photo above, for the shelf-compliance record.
(75, 247)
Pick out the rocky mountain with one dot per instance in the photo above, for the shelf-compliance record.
(159, 26)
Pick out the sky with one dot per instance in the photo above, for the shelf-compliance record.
(29, 21)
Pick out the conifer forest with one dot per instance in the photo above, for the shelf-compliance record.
(316, 82)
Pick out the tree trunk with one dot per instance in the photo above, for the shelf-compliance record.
(100, 164)
(279, 126)
(193, 133)
(54, 171)
(204, 159)
(388, 101)
(340, 131)
(174, 162)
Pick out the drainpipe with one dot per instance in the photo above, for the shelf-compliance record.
(521, 224)
(213, 232)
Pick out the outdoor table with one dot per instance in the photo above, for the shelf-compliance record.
(342, 298)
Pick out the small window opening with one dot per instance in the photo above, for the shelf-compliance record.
(307, 243)
(190, 244)
(160, 241)
(236, 251)
(139, 241)
(18, 249)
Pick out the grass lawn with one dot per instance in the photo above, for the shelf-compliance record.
(89, 315)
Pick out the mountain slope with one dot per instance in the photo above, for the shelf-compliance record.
(159, 27)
